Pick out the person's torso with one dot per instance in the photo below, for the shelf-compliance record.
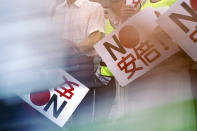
(74, 20)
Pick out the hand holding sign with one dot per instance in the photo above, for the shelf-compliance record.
(130, 51)
(130, 8)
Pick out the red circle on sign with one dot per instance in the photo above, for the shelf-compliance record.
(194, 4)
(129, 36)
(40, 98)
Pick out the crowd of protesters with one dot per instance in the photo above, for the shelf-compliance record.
(84, 23)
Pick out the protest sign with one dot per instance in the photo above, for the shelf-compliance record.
(58, 104)
(180, 22)
(130, 51)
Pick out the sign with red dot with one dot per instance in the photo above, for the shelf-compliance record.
(40, 98)
(59, 103)
(132, 50)
(129, 36)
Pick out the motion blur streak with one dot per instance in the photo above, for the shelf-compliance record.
(31, 47)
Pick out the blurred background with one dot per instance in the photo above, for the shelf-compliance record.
(31, 50)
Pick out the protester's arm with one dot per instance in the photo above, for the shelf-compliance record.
(92, 39)
(95, 30)
(127, 11)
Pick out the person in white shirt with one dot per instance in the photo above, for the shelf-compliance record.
(82, 22)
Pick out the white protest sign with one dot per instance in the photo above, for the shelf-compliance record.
(180, 22)
(58, 104)
(130, 51)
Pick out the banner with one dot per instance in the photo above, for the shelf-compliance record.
(180, 22)
(58, 104)
(130, 51)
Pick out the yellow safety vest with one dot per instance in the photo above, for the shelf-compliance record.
(104, 69)
(159, 4)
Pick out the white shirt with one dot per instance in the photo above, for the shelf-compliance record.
(81, 19)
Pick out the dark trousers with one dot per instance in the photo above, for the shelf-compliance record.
(95, 106)
(98, 102)
(193, 74)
